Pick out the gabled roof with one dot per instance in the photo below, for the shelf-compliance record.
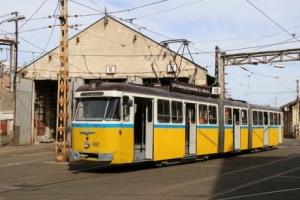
(123, 25)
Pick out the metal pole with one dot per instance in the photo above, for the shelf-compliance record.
(14, 84)
(62, 146)
(221, 74)
(11, 67)
(298, 109)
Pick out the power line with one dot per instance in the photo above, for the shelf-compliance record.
(168, 9)
(97, 5)
(86, 6)
(33, 14)
(138, 7)
(55, 11)
(6, 15)
(272, 20)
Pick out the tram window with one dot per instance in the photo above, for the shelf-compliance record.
(275, 119)
(271, 118)
(176, 112)
(212, 114)
(255, 118)
(260, 118)
(163, 111)
(228, 116)
(113, 110)
(244, 117)
(126, 109)
(98, 109)
(203, 114)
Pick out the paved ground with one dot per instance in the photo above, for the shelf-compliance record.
(31, 173)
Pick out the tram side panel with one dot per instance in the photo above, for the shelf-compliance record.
(169, 141)
(257, 129)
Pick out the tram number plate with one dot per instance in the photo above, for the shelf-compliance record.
(96, 144)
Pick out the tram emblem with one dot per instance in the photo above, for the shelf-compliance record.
(87, 132)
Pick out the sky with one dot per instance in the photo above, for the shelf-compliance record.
(236, 26)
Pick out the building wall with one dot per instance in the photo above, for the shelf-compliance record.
(99, 46)
(6, 102)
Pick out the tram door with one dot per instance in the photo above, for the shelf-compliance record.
(266, 129)
(237, 129)
(143, 129)
(190, 133)
(280, 128)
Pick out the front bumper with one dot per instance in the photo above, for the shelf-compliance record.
(82, 156)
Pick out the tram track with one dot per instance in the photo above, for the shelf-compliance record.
(158, 191)
(197, 181)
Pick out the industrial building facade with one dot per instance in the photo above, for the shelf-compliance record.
(291, 119)
(110, 52)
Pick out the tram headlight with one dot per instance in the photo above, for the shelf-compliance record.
(86, 144)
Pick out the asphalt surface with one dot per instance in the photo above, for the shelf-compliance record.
(31, 173)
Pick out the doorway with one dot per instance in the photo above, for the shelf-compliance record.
(237, 129)
(143, 128)
(190, 130)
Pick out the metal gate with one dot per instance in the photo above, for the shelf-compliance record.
(24, 115)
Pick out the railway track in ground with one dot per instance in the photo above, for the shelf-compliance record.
(122, 172)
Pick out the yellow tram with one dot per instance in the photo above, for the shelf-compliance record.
(120, 123)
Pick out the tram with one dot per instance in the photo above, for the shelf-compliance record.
(118, 123)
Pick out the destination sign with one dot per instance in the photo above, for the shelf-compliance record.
(182, 87)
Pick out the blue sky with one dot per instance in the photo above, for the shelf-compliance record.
(230, 24)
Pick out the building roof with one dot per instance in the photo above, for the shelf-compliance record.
(123, 25)
(289, 104)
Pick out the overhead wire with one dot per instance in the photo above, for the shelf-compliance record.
(96, 5)
(86, 6)
(55, 11)
(272, 20)
(32, 14)
(168, 9)
(6, 15)
(149, 4)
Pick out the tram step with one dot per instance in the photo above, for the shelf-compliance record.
(189, 157)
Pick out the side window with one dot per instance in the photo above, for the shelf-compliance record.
(244, 117)
(228, 116)
(126, 109)
(260, 118)
(163, 111)
(255, 118)
(212, 114)
(271, 118)
(176, 112)
(279, 119)
(203, 114)
(275, 119)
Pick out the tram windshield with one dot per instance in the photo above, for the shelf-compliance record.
(97, 109)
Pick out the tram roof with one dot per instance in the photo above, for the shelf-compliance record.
(155, 91)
